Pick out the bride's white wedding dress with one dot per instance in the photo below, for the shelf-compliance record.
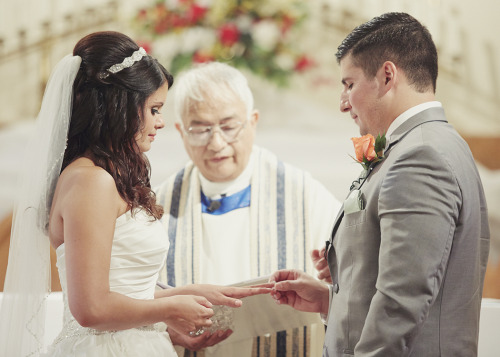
(138, 253)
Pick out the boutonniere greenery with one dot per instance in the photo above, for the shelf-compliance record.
(369, 150)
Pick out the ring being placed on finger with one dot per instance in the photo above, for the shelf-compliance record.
(197, 332)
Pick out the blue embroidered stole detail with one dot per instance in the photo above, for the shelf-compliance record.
(226, 204)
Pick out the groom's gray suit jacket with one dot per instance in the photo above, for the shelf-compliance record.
(408, 269)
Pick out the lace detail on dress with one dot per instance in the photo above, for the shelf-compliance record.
(73, 329)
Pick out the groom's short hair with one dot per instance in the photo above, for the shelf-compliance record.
(396, 37)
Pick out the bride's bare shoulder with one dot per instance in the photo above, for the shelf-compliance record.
(83, 192)
(83, 178)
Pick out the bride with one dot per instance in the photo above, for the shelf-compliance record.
(87, 189)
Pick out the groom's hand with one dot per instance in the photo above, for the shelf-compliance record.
(300, 290)
(227, 295)
(198, 342)
(321, 265)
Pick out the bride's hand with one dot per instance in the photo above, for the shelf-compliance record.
(228, 295)
(188, 313)
(197, 343)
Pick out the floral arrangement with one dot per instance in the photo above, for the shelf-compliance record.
(369, 150)
(257, 35)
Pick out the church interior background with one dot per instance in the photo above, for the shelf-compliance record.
(286, 48)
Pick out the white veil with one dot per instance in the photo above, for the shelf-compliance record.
(27, 283)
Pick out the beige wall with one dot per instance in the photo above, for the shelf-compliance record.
(466, 33)
(49, 29)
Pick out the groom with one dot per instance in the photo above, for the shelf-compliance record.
(409, 248)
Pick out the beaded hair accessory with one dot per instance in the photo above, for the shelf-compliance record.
(127, 62)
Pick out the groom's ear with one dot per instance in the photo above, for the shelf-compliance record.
(386, 75)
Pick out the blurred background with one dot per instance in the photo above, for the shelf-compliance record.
(286, 49)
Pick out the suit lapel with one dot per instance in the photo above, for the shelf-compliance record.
(428, 115)
(337, 223)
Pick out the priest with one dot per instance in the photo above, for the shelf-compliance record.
(236, 212)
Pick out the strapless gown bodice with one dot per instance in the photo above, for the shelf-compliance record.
(138, 253)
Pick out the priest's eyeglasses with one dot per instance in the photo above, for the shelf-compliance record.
(200, 135)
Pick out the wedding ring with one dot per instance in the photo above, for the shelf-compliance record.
(197, 332)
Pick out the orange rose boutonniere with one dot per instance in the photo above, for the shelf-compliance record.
(369, 150)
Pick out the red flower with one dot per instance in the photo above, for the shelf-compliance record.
(161, 10)
(196, 13)
(287, 23)
(303, 63)
(146, 45)
(178, 21)
(229, 34)
(162, 26)
(202, 56)
(142, 14)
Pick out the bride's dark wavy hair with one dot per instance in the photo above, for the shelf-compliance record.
(108, 113)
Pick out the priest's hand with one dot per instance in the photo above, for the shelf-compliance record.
(197, 343)
(300, 290)
(321, 265)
